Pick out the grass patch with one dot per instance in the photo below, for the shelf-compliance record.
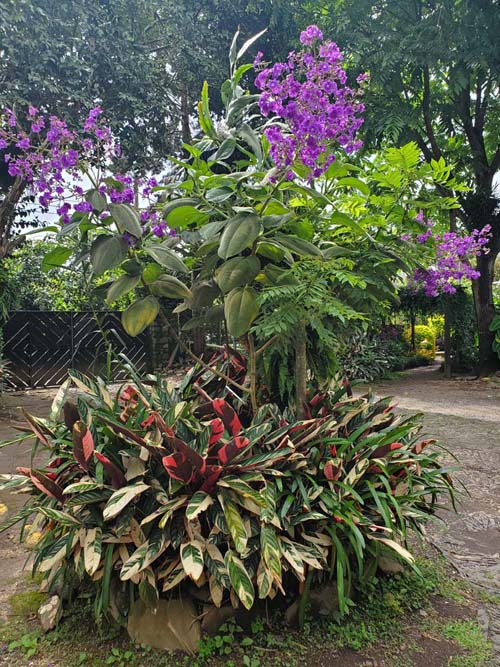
(469, 636)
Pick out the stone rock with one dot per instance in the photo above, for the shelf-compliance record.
(172, 626)
(50, 613)
(324, 601)
(214, 617)
(390, 565)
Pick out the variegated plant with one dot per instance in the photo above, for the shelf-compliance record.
(161, 489)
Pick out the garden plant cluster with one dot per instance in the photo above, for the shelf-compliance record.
(257, 477)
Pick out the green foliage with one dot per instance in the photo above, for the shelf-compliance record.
(495, 327)
(264, 255)
(470, 636)
(153, 488)
(31, 287)
(425, 340)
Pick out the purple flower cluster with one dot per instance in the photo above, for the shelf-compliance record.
(56, 162)
(452, 261)
(311, 107)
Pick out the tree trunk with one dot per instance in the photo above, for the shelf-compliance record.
(485, 312)
(301, 370)
(185, 128)
(7, 214)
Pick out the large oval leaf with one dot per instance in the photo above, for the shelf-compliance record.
(182, 217)
(140, 315)
(240, 310)
(170, 287)
(297, 245)
(165, 256)
(127, 219)
(55, 257)
(107, 252)
(121, 286)
(239, 233)
(237, 272)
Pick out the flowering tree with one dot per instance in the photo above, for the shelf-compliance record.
(265, 202)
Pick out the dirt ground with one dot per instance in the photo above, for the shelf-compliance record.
(463, 414)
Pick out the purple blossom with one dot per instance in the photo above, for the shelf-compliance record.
(83, 207)
(310, 35)
(312, 107)
(451, 264)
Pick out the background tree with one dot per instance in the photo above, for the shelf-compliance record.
(435, 68)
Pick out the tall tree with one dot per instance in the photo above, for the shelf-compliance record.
(435, 69)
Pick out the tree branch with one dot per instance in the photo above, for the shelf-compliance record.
(426, 107)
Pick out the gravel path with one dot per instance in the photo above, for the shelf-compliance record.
(464, 415)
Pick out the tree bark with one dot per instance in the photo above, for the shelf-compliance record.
(7, 214)
(485, 312)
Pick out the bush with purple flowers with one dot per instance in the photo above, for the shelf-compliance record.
(451, 260)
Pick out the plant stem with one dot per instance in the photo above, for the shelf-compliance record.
(252, 366)
(300, 370)
(198, 359)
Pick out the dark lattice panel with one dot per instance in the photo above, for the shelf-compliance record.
(41, 346)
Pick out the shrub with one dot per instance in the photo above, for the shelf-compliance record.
(146, 492)
(425, 341)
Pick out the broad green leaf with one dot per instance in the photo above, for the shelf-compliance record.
(127, 219)
(92, 549)
(121, 499)
(214, 561)
(353, 182)
(96, 199)
(237, 272)
(140, 315)
(240, 579)
(252, 139)
(120, 287)
(107, 252)
(225, 150)
(240, 232)
(192, 559)
(218, 195)
(81, 487)
(240, 310)
(144, 555)
(56, 258)
(164, 255)
(170, 287)
(271, 250)
(182, 217)
(297, 245)
(199, 502)
(151, 272)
